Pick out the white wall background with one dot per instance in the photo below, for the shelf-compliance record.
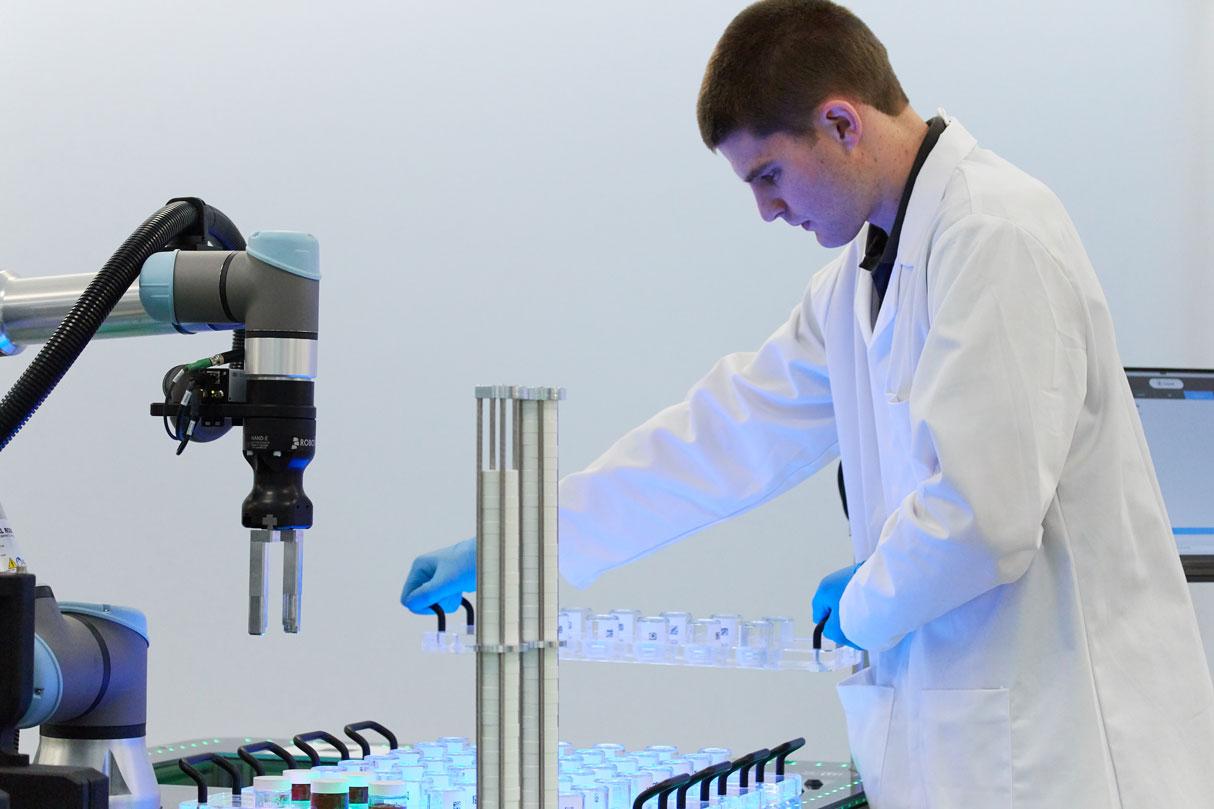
(505, 192)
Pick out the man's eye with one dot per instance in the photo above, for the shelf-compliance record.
(770, 178)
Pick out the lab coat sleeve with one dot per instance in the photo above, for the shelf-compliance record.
(993, 405)
(755, 426)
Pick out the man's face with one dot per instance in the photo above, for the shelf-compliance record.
(812, 183)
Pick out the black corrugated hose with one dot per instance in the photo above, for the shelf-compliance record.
(160, 230)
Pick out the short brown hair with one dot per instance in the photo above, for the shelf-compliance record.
(779, 59)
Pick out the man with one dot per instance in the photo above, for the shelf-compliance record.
(1031, 637)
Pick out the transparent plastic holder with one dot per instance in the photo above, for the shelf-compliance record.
(602, 644)
(456, 641)
(755, 639)
(626, 620)
(678, 624)
(702, 648)
(652, 643)
(728, 625)
(572, 627)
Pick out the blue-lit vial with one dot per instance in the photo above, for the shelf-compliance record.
(611, 750)
(594, 797)
(619, 792)
(604, 770)
(461, 760)
(388, 794)
(415, 795)
(563, 749)
(718, 754)
(590, 756)
(660, 773)
(646, 758)
(680, 766)
(406, 757)
(454, 744)
(431, 750)
(665, 752)
(571, 799)
(641, 781)
(699, 761)
(435, 766)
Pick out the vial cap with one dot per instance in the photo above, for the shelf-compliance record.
(389, 789)
(298, 776)
(270, 782)
(330, 786)
(357, 779)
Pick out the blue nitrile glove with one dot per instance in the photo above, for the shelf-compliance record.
(826, 600)
(441, 577)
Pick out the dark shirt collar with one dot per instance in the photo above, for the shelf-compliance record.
(882, 248)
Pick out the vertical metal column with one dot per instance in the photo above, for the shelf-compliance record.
(516, 668)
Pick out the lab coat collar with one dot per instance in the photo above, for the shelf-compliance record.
(954, 145)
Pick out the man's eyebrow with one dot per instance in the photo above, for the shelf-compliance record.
(755, 172)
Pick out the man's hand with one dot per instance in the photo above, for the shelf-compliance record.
(826, 602)
(441, 577)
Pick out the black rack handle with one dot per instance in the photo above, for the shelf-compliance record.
(751, 760)
(662, 790)
(781, 752)
(187, 766)
(470, 615)
(442, 617)
(301, 741)
(246, 755)
(711, 773)
(700, 777)
(818, 630)
(361, 740)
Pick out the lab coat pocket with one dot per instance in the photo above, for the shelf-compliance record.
(868, 709)
(965, 741)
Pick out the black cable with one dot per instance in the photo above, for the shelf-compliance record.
(87, 315)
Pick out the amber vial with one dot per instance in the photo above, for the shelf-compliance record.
(330, 794)
(301, 785)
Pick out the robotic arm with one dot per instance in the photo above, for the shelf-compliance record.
(78, 670)
(267, 290)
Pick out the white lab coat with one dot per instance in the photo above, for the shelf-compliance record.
(1032, 640)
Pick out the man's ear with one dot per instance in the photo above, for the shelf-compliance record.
(839, 120)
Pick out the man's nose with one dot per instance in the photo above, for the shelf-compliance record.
(770, 208)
